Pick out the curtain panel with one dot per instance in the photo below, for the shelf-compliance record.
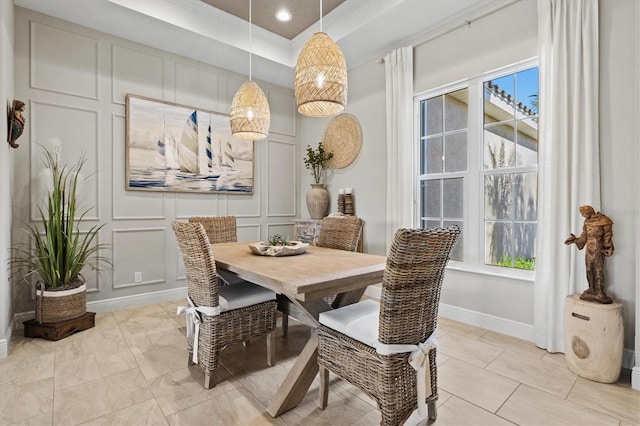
(569, 155)
(399, 122)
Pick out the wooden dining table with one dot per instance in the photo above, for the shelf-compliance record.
(304, 280)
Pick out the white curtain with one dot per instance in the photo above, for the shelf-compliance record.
(399, 100)
(569, 155)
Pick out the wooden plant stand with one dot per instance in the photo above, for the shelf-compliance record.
(59, 330)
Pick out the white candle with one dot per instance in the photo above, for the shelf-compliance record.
(348, 190)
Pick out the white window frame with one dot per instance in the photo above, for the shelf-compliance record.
(473, 177)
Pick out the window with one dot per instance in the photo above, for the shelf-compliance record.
(443, 147)
(478, 146)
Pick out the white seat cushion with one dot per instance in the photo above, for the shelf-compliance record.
(240, 295)
(358, 321)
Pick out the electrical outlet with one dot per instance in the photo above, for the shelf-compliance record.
(137, 277)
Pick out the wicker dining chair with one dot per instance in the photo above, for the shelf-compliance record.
(219, 315)
(360, 342)
(339, 232)
(220, 229)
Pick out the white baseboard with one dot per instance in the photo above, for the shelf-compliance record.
(4, 342)
(117, 303)
(490, 322)
(505, 326)
(635, 378)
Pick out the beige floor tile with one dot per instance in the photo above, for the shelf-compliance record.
(73, 369)
(171, 307)
(469, 350)
(146, 413)
(263, 383)
(457, 412)
(26, 347)
(160, 361)
(343, 408)
(557, 357)
(446, 325)
(547, 376)
(45, 419)
(154, 339)
(530, 406)
(26, 370)
(184, 388)
(125, 315)
(440, 357)
(483, 388)
(297, 337)
(613, 399)
(156, 322)
(245, 384)
(236, 407)
(371, 418)
(513, 344)
(97, 398)
(92, 341)
(21, 402)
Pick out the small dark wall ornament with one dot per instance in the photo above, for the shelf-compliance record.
(15, 122)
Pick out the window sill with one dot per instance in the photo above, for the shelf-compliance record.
(494, 271)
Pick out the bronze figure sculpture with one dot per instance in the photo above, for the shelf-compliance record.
(597, 236)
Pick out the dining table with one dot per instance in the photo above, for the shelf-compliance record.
(305, 280)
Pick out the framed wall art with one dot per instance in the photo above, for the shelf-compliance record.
(178, 148)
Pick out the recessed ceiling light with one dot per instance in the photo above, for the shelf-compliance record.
(283, 15)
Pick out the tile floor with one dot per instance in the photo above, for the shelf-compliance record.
(131, 370)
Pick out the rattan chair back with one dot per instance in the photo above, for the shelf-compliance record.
(412, 282)
(200, 267)
(341, 233)
(219, 229)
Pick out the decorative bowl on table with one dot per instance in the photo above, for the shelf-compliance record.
(278, 246)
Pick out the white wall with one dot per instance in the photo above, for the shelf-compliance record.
(74, 81)
(502, 38)
(619, 52)
(6, 168)
(367, 174)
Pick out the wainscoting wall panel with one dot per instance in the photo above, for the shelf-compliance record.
(137, 224)
(283, 106)
(135, 71)
(197, 87)
(281, 201)
(63, 61)
(139, 250)
(73, 133)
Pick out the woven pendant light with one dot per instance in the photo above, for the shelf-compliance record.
(250, 115)
(321, 76)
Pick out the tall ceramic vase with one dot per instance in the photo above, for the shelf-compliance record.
(317, 201)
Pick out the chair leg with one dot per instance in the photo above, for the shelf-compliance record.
(433, 412)
(285, 324)
(190, 359)
(324, 388)
(208, 381)
(271, 348)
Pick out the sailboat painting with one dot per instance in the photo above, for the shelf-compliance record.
(177, 148)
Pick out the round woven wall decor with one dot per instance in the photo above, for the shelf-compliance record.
(343, 137)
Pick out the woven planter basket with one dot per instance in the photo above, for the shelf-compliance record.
(57, 306)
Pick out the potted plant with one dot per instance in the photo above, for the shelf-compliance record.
(317, 197)
(57, 251)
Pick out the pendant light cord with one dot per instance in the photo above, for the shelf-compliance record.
(320, 15)
(249, 40)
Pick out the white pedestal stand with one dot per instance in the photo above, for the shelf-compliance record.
(593, 339)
